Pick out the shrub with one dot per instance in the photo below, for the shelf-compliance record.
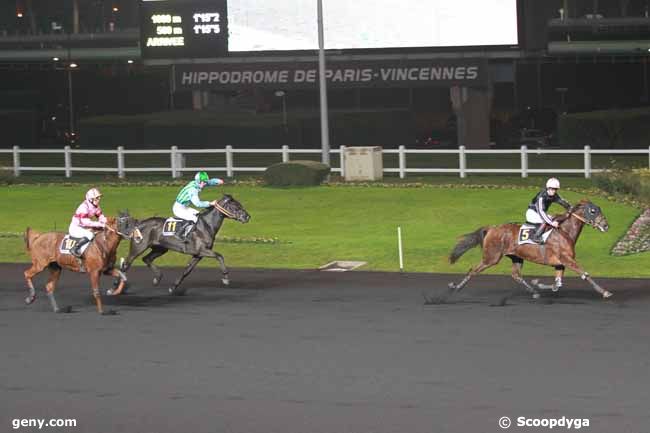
(296, 173)
(633, 183)
(606, 129)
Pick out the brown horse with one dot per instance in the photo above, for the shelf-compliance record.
(558, 250)
(98, 258)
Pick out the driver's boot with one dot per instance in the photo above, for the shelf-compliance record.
(76, 250)
(537, 235)
(187, 231)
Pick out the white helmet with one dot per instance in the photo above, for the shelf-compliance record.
(93, 193)
(553, 183)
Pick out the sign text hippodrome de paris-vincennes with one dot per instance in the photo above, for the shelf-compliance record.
(223, 76)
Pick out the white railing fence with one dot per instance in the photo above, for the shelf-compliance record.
(177, 160)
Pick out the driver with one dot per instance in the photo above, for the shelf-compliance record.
(189, 194)
(538, 207)
(82, 220)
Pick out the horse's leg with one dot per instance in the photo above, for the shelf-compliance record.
(559, 274)
(119, 282)
(489, 259)
(516, 275)
(30, 273)
(190, 266)
(574, 266)
(135, 250)
(55, 274)
(155, 252)
(222, 264)
(94, 284)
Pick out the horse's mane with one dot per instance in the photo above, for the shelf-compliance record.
(564, 216)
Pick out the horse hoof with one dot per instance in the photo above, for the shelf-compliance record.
(156, 281)
(535, 281)
(109, 313)
(30, 299)
(451, 286)
(65, 310)
(225, 281)
(536, 296)
(109, 292)
(607, 294)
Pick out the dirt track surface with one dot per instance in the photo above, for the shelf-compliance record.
(311, 352)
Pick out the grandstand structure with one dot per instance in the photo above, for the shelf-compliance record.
(567, 55)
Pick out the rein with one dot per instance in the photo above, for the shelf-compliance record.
(224, 211)
(578, 217)
(136, 232)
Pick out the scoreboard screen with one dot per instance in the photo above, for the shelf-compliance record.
(174, 29)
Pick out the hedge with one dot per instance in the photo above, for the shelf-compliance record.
(217, 130)
(296, 173)
(606, 129)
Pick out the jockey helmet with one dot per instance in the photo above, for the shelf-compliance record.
(201, 176)
(553, 183)
(92, 194)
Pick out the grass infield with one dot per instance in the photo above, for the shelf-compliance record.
(304, 228)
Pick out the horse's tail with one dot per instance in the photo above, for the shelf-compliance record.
(467, 242)
(29, 237)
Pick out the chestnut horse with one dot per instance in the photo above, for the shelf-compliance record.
(558, 250)
(98, 258)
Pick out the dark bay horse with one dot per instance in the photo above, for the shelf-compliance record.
(98, 258)
(198, 244)
(558, 250)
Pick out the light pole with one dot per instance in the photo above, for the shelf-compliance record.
(562, 91)
(282, 94)
(324, 123)
(70, 67)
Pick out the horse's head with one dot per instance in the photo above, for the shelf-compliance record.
(590, 214)
(231, 208)
(125, 225)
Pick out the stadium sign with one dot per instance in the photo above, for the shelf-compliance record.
(385, 73)
(173, 29)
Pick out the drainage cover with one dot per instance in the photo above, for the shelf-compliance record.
(341, 266)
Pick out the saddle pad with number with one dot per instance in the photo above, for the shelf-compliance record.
(526, 232)
(68, 243)
(174, 226)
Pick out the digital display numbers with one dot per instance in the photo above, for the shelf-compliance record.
(172, 29)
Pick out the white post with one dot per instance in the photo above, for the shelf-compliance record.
(120, 162)
(524, 161)
(342, 160)
(587, 162)
(16, 161)
(174, 160)
(285, 153)
(402, 162)
(399, 249)
(229, 166)
(462, 160)
(67, 159)
(180, 162)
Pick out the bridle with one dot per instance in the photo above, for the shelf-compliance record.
(135, 234)
(584, 220)
(578, 217)
(224, 211)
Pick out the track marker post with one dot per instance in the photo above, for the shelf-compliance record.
(399, 248)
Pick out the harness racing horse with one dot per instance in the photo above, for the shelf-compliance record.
(558, 250)
(198, 243)
(45, 250)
